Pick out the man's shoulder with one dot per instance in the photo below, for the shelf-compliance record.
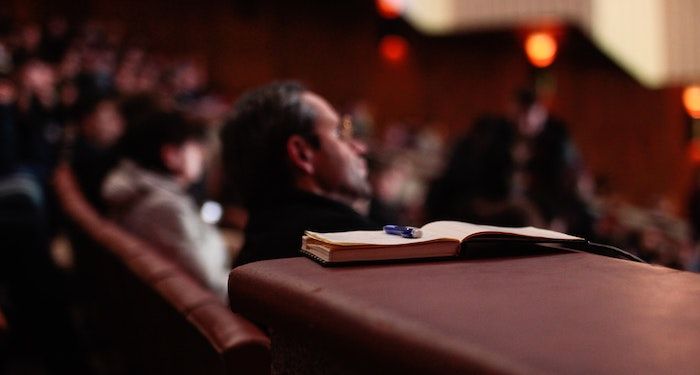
(301, 212)
(275, 230)
(315, 212)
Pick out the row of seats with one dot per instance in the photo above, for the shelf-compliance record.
(151, 315)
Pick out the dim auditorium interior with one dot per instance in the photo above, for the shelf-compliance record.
(450, 99)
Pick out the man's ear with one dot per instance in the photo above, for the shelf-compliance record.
(300, 153)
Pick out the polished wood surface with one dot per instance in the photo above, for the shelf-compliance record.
(556, 313)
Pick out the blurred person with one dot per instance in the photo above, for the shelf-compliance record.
(694, 220)
(188, 86)
(134, 56)
(297, 167)
(694, 206)
(97, 75)
(126, 76)
(136, 108)
(8, 116)
(188, 83)
(125, 79)
(387, 177)
(476, 184)
(40, 132)
(655, 245)
(148, 78)
(28, 45)
(70, 66)
(40, 129)
(56, 38)
(94, 153)
(548, 167)
(38, 307)
(68, 102)
(5, 58)
(38, 80)
(93, 33)
(146, 194)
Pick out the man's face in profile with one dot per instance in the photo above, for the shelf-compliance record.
(340, 167)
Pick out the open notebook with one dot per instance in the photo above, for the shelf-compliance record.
(439, 239)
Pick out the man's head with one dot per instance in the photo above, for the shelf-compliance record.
(530, 114)
(167, 143)
(282, 136)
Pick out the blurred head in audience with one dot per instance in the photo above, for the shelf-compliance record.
(8, 91)
(188, 78)
(28, 43)
(39, 78)
(102, 123)
(169, 144)
(531, 115)
(71, 65)
(282, 136)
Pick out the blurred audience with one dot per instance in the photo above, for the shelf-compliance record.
(403, 159)
(69, 91)
(94, 153)
(39, 126)
(298, 168)
(8, 127)
(477, 183)
(147, 195)
(548, 167)
(34, 296)
(55, 77)
(694, 206)
(694, 221)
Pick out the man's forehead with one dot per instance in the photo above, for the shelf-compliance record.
(323, 110)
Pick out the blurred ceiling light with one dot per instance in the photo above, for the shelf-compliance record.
(656, 41)
(691, 101)
(393, 48)
(541, 49)
(390, 8)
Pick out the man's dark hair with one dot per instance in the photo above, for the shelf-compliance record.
(143, 141)
(254, 139)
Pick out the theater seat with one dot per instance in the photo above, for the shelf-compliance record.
(251, 359)
(163, 319)
(184, 293)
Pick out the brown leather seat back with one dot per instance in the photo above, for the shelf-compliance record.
(162, 319)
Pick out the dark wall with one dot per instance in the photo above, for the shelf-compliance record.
(633, 136)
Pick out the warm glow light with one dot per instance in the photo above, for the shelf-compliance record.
(541, 49)
(691, 101)
(389, 8)
(393, 48)
(694, 151)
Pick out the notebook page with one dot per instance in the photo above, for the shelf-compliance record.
(459, 230)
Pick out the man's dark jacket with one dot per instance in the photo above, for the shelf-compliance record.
(275, 227)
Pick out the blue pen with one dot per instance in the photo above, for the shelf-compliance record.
(406, 232)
